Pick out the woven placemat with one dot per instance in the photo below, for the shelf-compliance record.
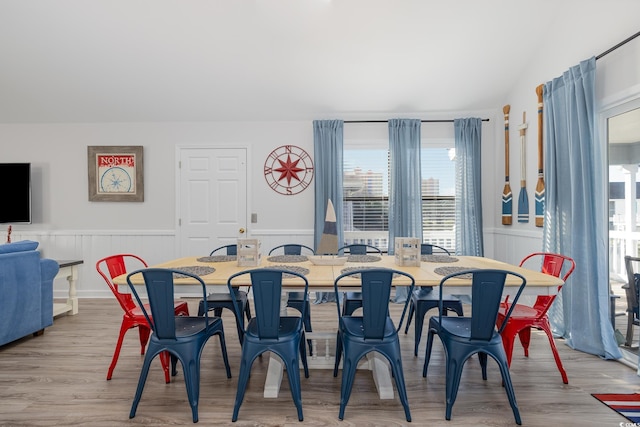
(445, 271)
(288, 258)
(292, 268)
(350, 269)
(438, 258)
(363, 258)
(198, 270)
(217, 258)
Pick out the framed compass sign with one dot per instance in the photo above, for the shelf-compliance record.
(288, 170)
(115, 173)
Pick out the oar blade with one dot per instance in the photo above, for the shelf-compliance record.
(523, 206)
(540, 202)
(507, 205)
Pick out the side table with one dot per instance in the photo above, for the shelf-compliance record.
(68, 270)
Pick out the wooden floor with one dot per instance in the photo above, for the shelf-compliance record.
(59, 379)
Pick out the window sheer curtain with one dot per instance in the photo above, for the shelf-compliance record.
(328, 144)
(575, 210)
(405, 182)
(468, 138)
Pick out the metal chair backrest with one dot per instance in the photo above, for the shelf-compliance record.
(376, 286)
(359, 249)
(229, 249)
(160, 292)
(427, 249)
(292, 249)
(266, 285)
(486, 294)
(554, 265)
(116, 265)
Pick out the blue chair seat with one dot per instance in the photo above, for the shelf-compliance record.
(354, 326)
(289, 327)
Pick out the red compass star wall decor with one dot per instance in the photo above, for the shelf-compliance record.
(288, 170)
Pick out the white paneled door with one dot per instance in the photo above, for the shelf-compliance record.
(212, 196)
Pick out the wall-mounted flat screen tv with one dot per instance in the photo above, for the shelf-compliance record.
(15, 204)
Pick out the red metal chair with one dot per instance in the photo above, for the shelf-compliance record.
(133, 315)
(524, 317)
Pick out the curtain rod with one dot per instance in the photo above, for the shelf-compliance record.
(623, 42)
(386, 121)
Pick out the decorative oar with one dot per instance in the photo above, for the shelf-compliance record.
(507, 197)
(540, 183)
(523, 199)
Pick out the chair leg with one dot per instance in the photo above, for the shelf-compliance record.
(454, 372)
(427, 355)
(506, 380)
(482, 357)
(547, 329)
(123, 330)
(348, 374)
(201, 309)
(420, 315)
(338, 354)
(243, 377)
(508, 339)
(164, 361)
(191, 369)
(293, 373)
(143, 378)
(409, 316)
(400, 385)
(303, 356)
(143, 332)
(525, 339)
(629, 339)
(223, 348)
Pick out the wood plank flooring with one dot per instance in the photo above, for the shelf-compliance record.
(59, 379)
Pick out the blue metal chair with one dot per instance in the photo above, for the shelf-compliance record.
(464, 336)
(373, 331)
(351, 301)
(425, 299)
(216, 301)
(182, 336)
(297, 300)
(269, 331)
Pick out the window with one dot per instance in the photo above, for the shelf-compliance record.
(366, 193)
(438, 195)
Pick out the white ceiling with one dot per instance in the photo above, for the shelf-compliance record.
(207, 60)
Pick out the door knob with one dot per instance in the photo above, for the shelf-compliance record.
(241, 231)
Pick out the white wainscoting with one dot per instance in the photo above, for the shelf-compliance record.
(154, 246)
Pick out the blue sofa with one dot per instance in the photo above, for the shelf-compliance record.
(26, 290)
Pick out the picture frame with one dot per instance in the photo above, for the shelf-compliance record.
(116, 173)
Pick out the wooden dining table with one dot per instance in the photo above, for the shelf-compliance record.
(215, 272)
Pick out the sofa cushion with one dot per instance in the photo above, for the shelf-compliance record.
(21, 246)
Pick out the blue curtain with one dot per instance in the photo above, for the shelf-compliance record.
(575, 210)
(468, 138)
(405, 196)
(328, 145)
